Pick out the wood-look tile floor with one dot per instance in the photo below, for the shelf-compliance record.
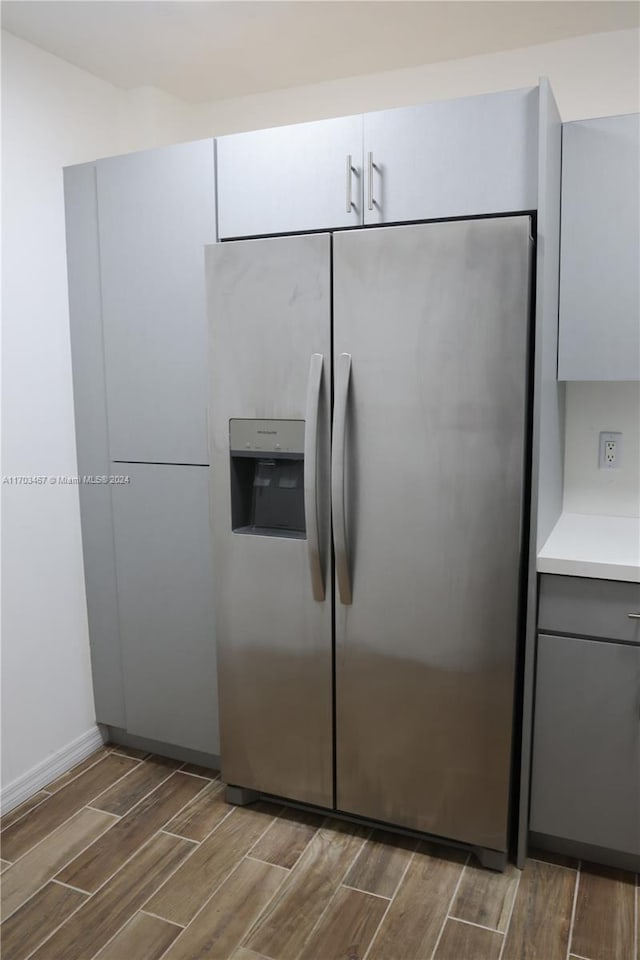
(135, 857)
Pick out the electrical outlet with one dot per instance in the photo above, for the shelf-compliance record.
(610, 451)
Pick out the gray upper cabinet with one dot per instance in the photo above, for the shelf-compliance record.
(454, 158)
(599, 291)
(163, 554)
(586, 747)
(291, 178)
(156, 213)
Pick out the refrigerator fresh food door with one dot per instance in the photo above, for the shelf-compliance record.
(435, 319)
(269, 423)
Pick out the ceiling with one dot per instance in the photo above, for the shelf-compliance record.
(204, 50)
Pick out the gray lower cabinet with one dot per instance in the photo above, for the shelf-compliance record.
(163, 563)
(599, 331)
(586, 749)
(156, 211)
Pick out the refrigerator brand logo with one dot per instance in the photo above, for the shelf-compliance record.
(269, 432)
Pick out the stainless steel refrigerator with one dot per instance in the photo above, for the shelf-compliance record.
(368, 442)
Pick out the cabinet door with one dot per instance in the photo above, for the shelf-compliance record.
(83, 267)
(456, 158)
(599, 337)
(586, 748)
(156, 212)
(163, 563)
(290, 178)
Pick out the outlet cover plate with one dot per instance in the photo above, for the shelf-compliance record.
(609, 450)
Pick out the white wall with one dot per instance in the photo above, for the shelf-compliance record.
(52, 115)
(591, 76)
(55, 114)
(592, 408)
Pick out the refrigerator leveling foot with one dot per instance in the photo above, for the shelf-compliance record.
(240, 796)
(491, 859)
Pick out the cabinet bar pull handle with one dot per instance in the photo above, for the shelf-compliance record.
(349, 174)
(342, 375)
(370, 186)
(314, 383)
(634, 616)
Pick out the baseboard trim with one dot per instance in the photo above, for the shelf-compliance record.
(54, 766)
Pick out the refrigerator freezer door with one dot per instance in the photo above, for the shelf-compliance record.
(269, 313)
(435, 317)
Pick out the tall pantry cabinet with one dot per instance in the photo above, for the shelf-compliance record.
(136, 229)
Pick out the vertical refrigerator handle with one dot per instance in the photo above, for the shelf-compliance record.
(342, 376)
(314, 383)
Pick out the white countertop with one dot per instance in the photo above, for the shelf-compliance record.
(582, 545)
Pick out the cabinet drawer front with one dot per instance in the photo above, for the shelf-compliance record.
(586, 748)
(455, 158)
(591, 608)
(290, 178)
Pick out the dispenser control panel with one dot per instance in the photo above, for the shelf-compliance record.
(267, 477)
(284, 438)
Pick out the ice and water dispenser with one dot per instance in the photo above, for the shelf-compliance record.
(267, 477)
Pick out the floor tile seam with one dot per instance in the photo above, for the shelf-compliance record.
(416, 841)
(153, 790)
(213, 829)
(126, 923)
(138, 909)
(143, 797)
(159, 829)
(449, 906)
(252, 856)
(61, 868)
(251, 924)
(574, 903)
(51, 832)
(214, 892)
(276, 818)
(391, 901)
(53, 932)
(117, 748)
(472, 923)
(156, 916)
(179, 836)
(369, 893)
(99, 759)
(510, 917)
(333, 896)
(128, 860)
(200, 776)
(293, 871)
(116, 816)
(70, 886)
(71, 815)
(30, 810)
